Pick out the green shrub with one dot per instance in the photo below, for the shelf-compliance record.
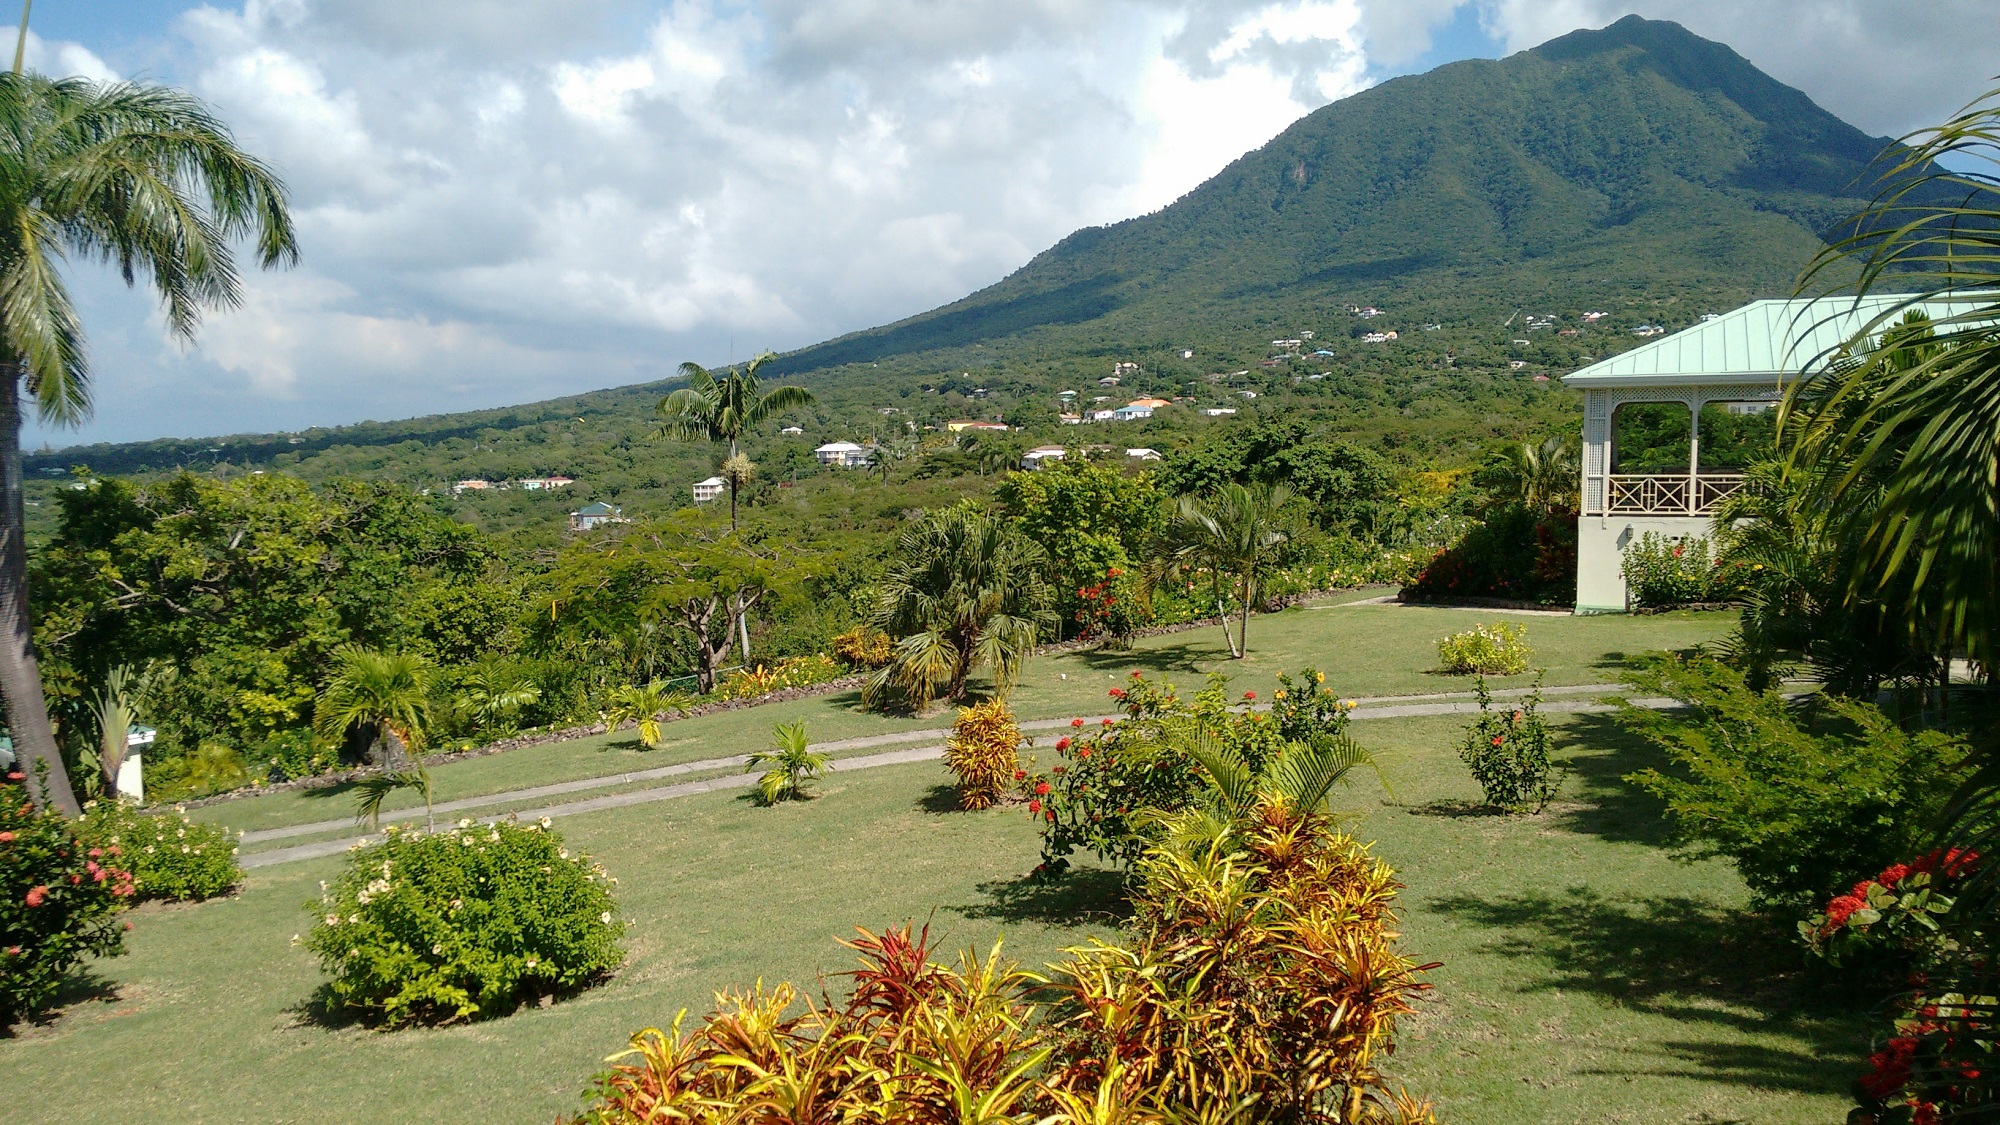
(1304, 710)
(1508, 753)
(1804, 798)
(58, 896)
(1515, 554)
(1663, 571)
(170, 856)
(291, 754)
(1489, 650)
(463, 923)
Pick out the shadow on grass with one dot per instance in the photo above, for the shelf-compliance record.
(1456, 810)
(1691, 961)
(1186, 654)
(83, 985)
(941, 799)
(1090, 894)
(1598, 752)
(326, 792)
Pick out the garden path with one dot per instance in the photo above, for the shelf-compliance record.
(1367, 707)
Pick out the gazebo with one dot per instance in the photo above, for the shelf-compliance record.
(1669, 426)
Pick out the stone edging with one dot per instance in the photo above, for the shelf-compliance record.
(782, 695)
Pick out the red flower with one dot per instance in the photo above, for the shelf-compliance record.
(1020, 775)
(1926, 1114)
(37, 895)
(1136, 674)
(1107, 722)
(1061, 770)
(1083, 753)
(1034, 806)
(1118, 693)
(1076, 722)
(6, 837)
(1249, 695)
(1062, 743)
(1042, 789)
(13, 951)
(1841, 909)
(1050, 816)
(1893, 874)
(1498, 739)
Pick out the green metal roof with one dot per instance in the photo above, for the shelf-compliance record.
(1762, 341)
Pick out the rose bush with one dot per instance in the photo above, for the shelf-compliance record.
(468, 922)
(59, 898)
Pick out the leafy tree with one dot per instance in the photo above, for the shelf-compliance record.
(964, 591)
(137, 174)
(789, 767)
(1229, 534)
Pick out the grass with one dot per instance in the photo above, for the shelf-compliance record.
(1363, 649)
(1588, 976)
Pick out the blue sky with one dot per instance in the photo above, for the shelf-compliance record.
(507, 200)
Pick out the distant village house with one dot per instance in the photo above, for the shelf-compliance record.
(595, 515)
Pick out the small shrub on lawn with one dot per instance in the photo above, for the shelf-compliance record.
(170, 856)
(1304, 710)
(790, 766)
(1804, 798)
(865, 647)
(1663, 571)
(1508, 753)
(469, 922)
(1279, 943)
(58, 898)
(795, 671)
(984, 751)
(1489, 650)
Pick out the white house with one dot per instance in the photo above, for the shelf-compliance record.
(1736, 364)
(791, 431)
(843, 455)
(710, 489)
(1143, 454)
(544, 484)
(1131, 412)
(1219, 411)
(1034, 458)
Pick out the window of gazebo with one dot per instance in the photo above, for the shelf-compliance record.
(1669, 451)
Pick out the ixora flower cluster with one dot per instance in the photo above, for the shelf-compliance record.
(1896, 911)
(59, 897)
(1925, 1073)
(468, 922)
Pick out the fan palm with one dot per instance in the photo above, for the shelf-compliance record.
(643, 704)
(711, 409)
(964, 591)
(138, 175)
(788, 767)
(1228, 533)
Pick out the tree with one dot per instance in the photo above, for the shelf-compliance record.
(378, 695)
(1913, 418)
(1228, 533)
(791, 765)
(140, 175)
(708, 409)
(964, 591)
(1544, 478)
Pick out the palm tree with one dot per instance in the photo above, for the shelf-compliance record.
(388, 696)
(792, 764)
(708, 409)
(1542, 478)
(140, 175)
(1230, 532)
(1912, 417)
(964, 591)
(496, 693)
(644, 704)
(1302, 774)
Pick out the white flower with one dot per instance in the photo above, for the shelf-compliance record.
(184, 849)
(564, 853)
(532, 962)
(354, 917)
(295, 939)
(605, 917)
(435, 949)
(179, 833)
(333, 919)
(544, 822)
(466, 840)
(465, 822)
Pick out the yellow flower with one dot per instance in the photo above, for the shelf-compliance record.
(1319, 677)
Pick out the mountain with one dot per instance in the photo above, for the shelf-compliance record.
(1632, 157)
(1638, 169)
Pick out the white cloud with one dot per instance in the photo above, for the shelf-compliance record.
(504, 199)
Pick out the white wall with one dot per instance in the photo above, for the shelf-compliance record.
(1600, 549)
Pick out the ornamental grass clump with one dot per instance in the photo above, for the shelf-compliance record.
(170, 856)
(1508, 753)
(58, 901)
(984, 751)
(462, 924)
(1488, 650)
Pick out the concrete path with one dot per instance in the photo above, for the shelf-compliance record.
(1368, 707)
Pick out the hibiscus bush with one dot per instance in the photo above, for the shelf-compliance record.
(170, 856)
(1664, 571)
(1303, 709)
(59, 898)
(1508, 753)
(984, 750)
(464, 923)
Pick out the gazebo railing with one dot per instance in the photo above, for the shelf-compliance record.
(1669, 494)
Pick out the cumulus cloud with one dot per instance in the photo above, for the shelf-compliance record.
(506, 200)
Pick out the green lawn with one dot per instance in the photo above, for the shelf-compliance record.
(1588, 976)
(1363, 649)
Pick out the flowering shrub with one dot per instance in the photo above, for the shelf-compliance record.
(865, 646)
(984, 751)
(1894, 915)
(1508, 753)
(1491, 650)
(1305, 710)
(795, 671)
(1925, 1073)
(1109, 607)
(1287, 954)
(462, 923)
(1516, 554)
(1662, 571)
(170, 856)
(58, 896)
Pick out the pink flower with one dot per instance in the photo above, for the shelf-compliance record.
(97, 853)
(6, 837)
(37, 895)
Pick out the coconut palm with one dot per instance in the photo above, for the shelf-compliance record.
(138, 175)
(1913, 418)
(711, 409)
(965, 591)
(791, 765)
(1229, 533)
(1543, 478)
